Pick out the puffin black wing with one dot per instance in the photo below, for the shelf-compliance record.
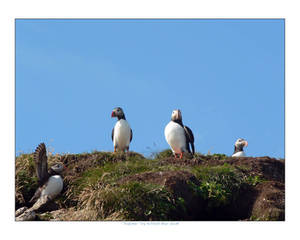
(112, 134)
(189, 139)
(130, 134)
(40, 158)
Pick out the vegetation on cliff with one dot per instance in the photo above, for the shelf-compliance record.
(108, 186)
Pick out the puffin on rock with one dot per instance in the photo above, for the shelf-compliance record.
(121, 134)
(50, 182)
(178, 136)
(238, 148)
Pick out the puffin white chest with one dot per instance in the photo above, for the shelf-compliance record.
(175, 136)
(122, 134)
(54, 186)
(239, 154)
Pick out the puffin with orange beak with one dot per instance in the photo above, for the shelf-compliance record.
(178, 136)
(239, 148)
(121, 134)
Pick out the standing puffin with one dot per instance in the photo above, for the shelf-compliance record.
(121, 134)
(178, 136)
(50, 182)
(238, 148)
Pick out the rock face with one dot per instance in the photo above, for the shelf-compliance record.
(268, 198)
(106, 186)
(269, 202)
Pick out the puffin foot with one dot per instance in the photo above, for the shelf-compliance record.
(178, 155)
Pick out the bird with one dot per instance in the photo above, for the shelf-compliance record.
(121, 133)
(50, 181)
(238, 148)
(178, 136)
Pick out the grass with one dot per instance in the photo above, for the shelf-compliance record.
(128, 201)
(254, 180)
(218, 184)
(25, 177)
(163, 154)
(218, 156)
(26, 182)
(111, 172)
(94, 190)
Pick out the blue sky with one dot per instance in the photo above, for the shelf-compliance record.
(226, 76)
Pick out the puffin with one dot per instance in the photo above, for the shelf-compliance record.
(50, 181)
(178, 136)
(121, 133)
(238, 148)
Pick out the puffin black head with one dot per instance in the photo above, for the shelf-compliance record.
(176, 116)
(57, 168)
(118, 112)
(240, 144)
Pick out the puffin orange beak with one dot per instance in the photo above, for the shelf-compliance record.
(113, 114)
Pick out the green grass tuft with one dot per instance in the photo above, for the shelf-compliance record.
(129, 201)
(218, 156)
(254, 180)
(164, 154)
(219, 184)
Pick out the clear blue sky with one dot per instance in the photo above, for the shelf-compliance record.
(226, 76)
